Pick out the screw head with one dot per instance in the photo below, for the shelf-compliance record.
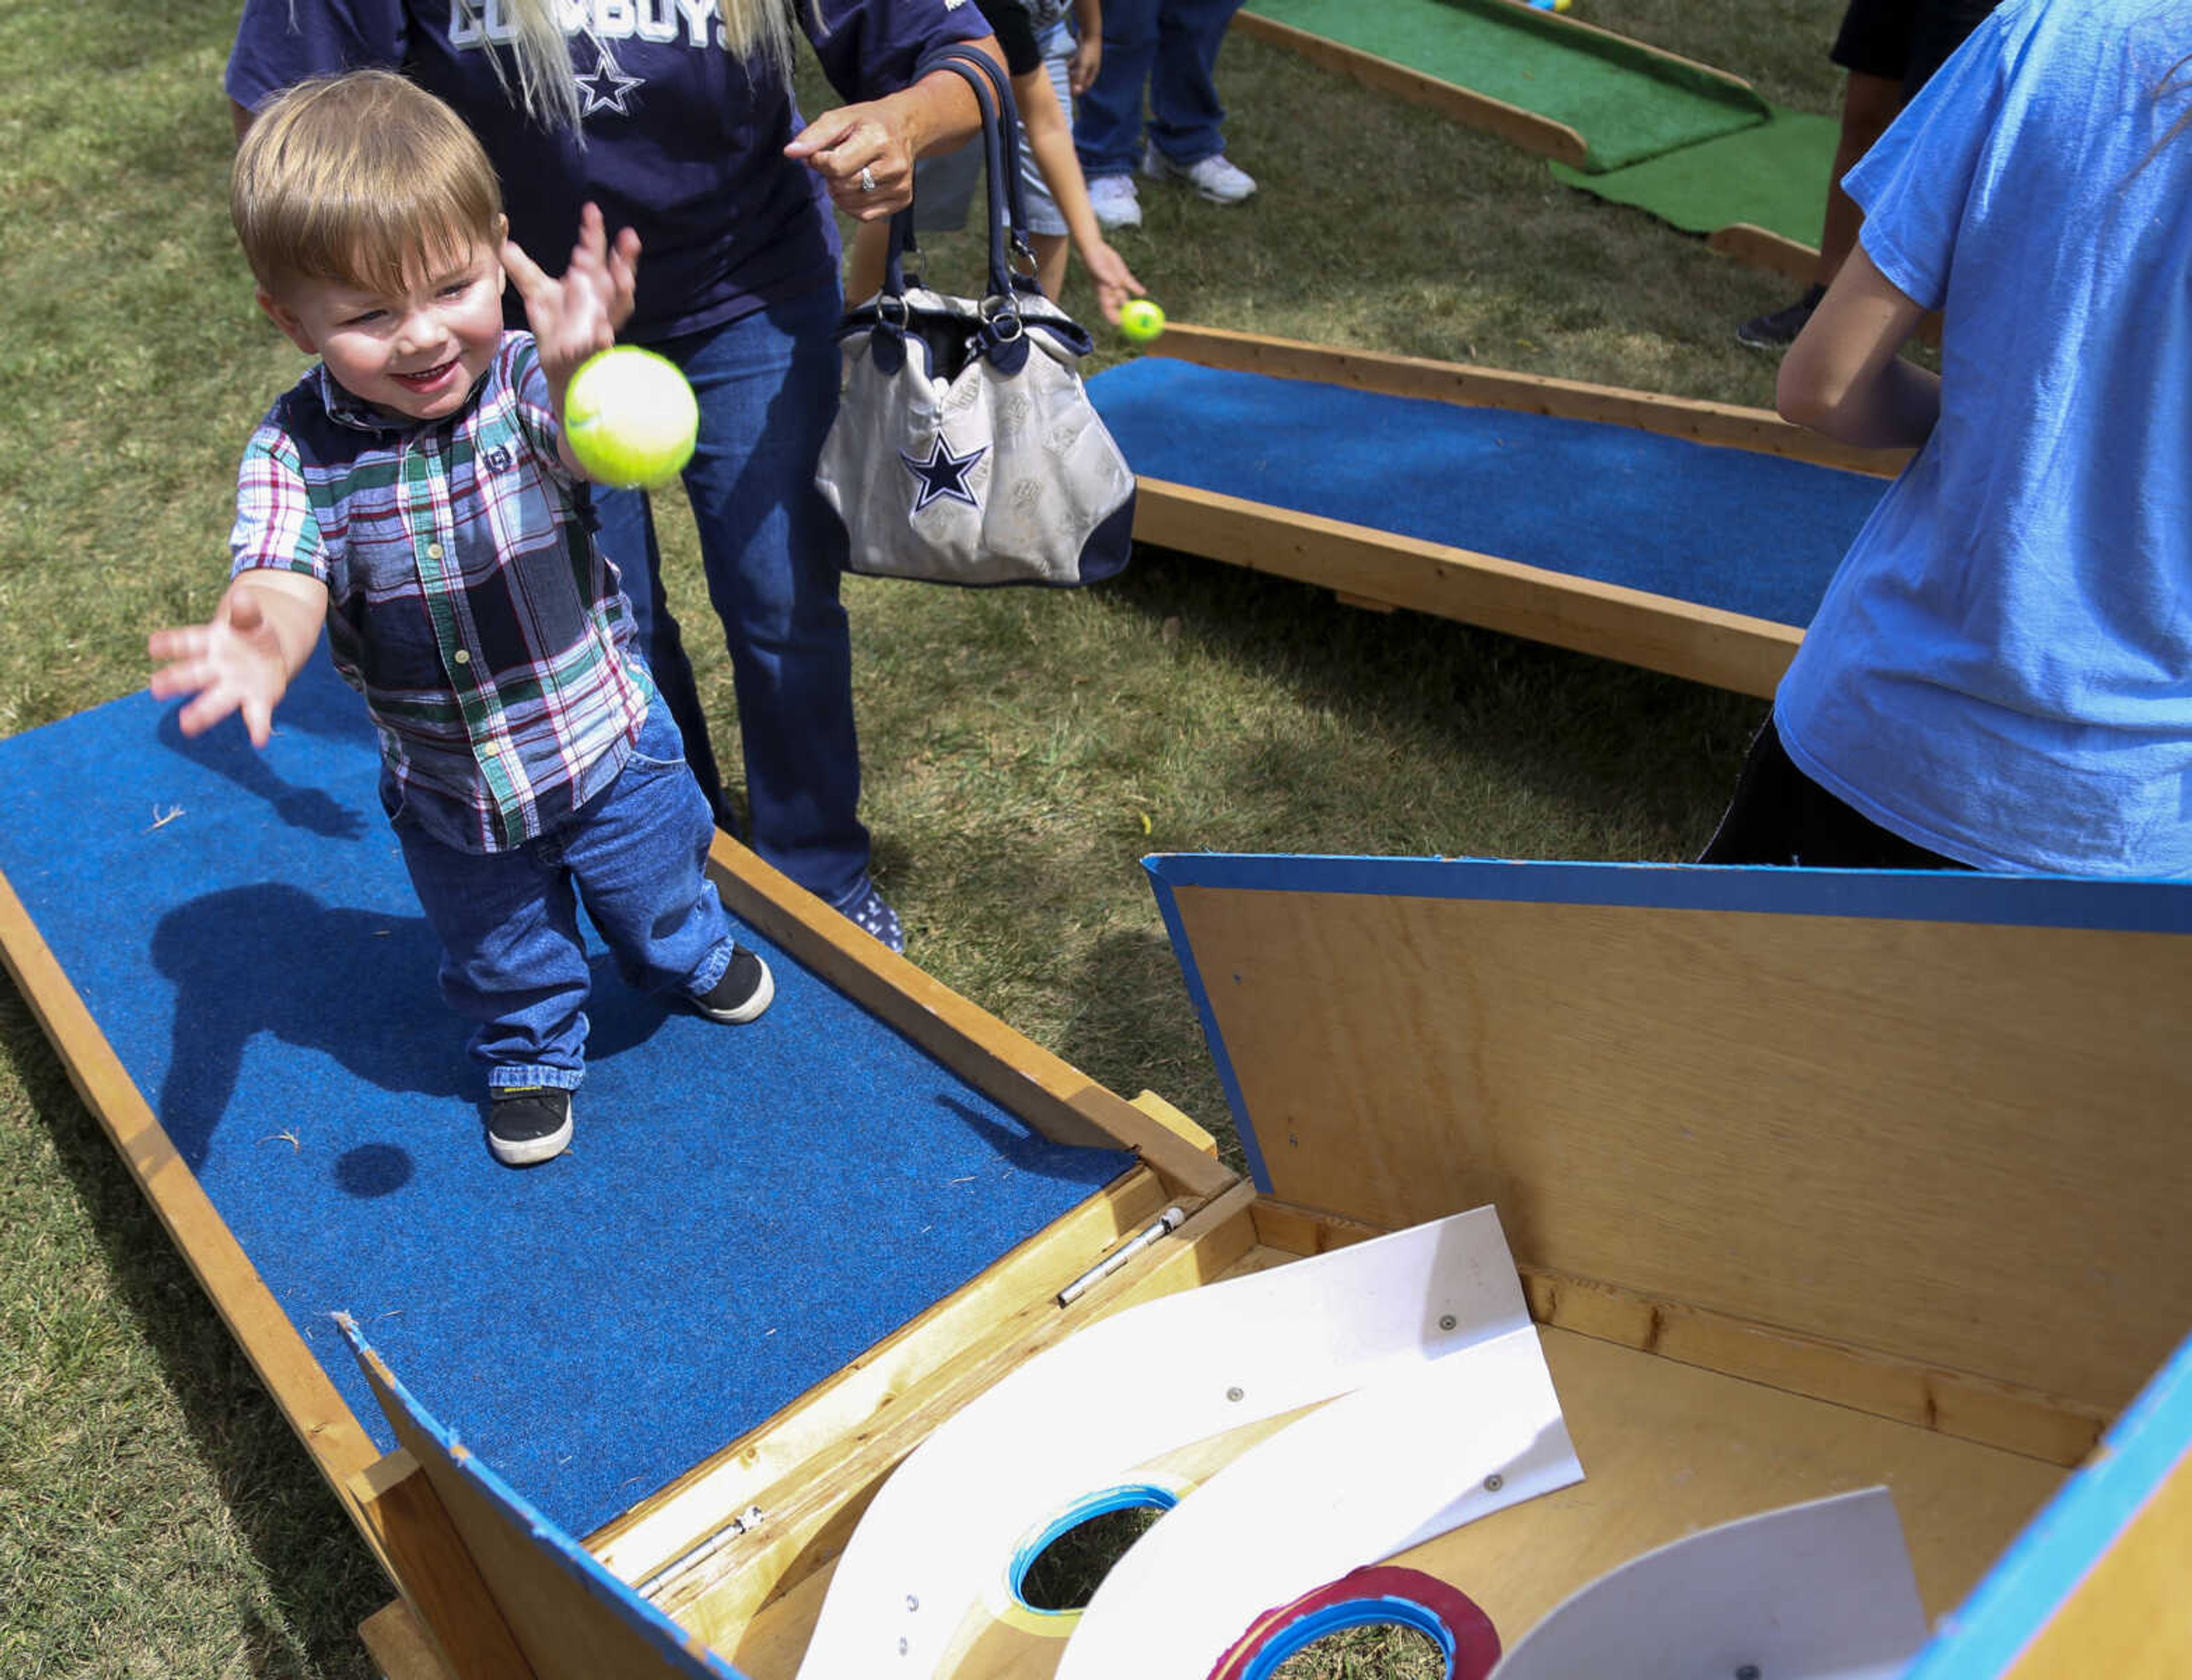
(1495, 1482)
(1446, 1321)
(1236, 1394)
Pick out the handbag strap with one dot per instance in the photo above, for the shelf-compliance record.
(1001, 145)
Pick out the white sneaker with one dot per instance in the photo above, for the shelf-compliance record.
(1214, 178)
(1112, 197)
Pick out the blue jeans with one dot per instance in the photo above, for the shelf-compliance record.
(512, 963)
(1168, 48)
(772, 552)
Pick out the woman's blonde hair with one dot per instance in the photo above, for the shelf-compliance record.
(758, 33)
(356, 179)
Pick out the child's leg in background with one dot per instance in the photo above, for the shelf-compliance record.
(1107, 127)
(1186, 119)
(1046, 228)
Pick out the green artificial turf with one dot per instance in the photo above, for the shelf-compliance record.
(1773, 176)
(1627, 104)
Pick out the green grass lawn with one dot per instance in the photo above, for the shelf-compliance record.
(1023, 750)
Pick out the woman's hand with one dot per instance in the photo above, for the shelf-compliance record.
(865, 152)
(864, 155)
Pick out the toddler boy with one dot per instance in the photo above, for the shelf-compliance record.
(414, 493)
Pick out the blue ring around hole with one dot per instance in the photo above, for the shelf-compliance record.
(1307, 1629)
(1132, 1496)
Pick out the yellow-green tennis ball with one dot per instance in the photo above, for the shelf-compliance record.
(1140, 320)
(631, 418)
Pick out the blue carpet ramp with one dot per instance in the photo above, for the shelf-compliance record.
(1628, 542)
(744, 1210)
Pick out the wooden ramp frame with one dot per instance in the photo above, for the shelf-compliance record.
(1644, 1091)
(1369, 568)
(450, 1622)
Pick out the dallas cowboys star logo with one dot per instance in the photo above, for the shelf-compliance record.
(943, 474)
(607, 88)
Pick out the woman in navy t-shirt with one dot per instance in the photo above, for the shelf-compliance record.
(676, 117)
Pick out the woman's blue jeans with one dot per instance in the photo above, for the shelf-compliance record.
(1168, 49)
(772, 552)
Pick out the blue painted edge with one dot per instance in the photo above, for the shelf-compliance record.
(1888, 894)
(1126, 1496)
(2044, 1565)
(668, 1640)
(1381, 1610)
(1198, 995)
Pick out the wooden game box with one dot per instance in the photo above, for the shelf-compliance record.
(1814, 1182)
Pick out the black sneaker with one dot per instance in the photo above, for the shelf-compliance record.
(744, 990)
(528, 1123)
(1777, 329)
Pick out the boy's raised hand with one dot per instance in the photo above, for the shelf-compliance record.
(259, 636)
(574, 317)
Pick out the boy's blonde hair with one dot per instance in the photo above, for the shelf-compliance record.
(357, 179)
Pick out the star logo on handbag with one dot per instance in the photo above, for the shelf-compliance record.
(943, 475)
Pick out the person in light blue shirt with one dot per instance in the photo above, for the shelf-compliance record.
(2000, 676)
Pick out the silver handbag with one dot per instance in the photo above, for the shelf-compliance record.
(965, 449)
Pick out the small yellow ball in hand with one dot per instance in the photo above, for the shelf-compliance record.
(630, 418)
(1140, 320)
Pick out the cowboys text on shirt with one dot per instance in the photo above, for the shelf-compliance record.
(476, 24)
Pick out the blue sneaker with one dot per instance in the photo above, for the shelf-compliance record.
(866, 909)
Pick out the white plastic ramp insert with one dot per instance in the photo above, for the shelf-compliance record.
(1403, 1458)
(937, 1544)
(1818, 1592)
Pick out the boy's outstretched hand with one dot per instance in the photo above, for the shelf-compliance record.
(574, 317)
(259, 638)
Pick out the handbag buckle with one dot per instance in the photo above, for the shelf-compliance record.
(1002, 319)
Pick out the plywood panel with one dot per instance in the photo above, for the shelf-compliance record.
(1667, 1449)
(1958, 1144)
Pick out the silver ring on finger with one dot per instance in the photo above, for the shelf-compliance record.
(867, 178)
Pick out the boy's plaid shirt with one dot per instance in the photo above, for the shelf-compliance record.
(467, 601)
